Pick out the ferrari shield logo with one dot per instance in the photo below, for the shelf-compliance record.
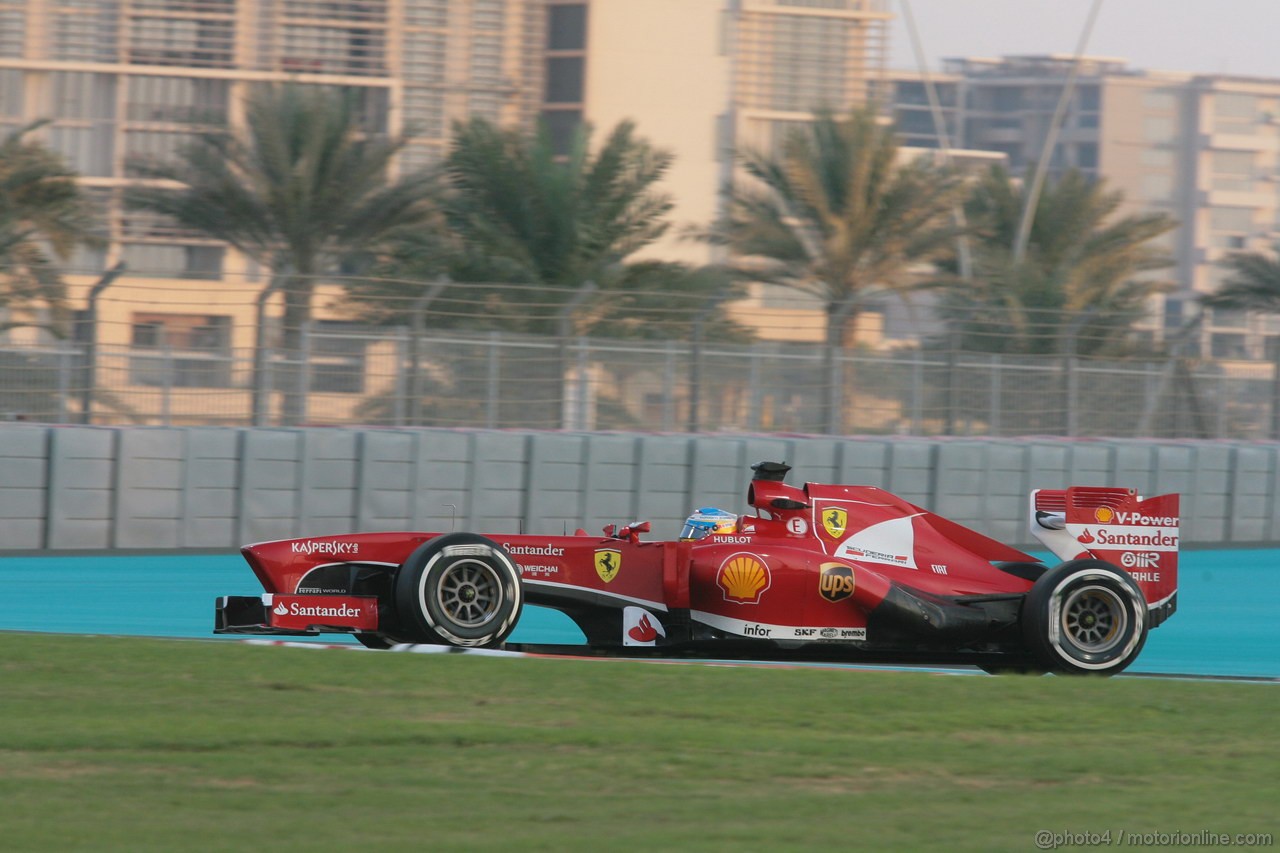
(608, 562)
(834, 521)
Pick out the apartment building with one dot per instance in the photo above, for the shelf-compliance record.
(128, 82)
(124, 83)
(702, 78)
(1204, 149)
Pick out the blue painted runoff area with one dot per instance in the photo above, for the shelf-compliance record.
(1228, 619)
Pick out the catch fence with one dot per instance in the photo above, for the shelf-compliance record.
(157, 354)
(499, 380)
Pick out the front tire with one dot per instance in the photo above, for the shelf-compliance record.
(460, 590)
(1085, 617)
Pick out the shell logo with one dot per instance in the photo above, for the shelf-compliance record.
(743, 578)
(1103, 515)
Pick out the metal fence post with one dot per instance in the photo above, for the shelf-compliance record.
(262, 379)
(64, 383)
(91, 342)
(417, 328)
(401, 377)
(1073, 396)
(166, 387)
(1275, 393)
(304, 372)
(917, 393)
(835, 392)
(566, 329)
(695, 361)
(753, 388)
(994, 401)
(695, 384)
(493, 377)
(584, 383)
(953, 384)
(669, 389)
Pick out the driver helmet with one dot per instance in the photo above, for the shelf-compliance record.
(706, 521)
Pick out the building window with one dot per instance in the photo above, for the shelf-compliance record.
(486, 61)
(79, 94)
(1007, 98)
(424, 112)
(485, 105)
(567, 27)
(11, 84)
(1087, 155)
(1233, 171)
(1158, 130)
(90, 33)
(487, 14)
(1159, 100)
(1089, 99)
(333, 50)
(1234, 105)
(1157, 187)
(1232, 162)
(88, 150)
(416, 158)
(564, 80)
(364, 10)
(427, 13)
(371, 106)
(180, 350)
(560, 126)
(424, 57)
(1237, 220)
(338, 354)
(13, 19)
(1156, 157)
(203, 42)
(168, 260)
(149, 148)
(177, 100)
(1228, 345)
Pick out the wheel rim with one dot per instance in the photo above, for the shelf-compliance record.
(1094, 619)
(469, 593)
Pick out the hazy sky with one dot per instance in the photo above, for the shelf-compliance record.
(1240, 37)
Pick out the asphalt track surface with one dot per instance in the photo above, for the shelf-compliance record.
(1227, 624)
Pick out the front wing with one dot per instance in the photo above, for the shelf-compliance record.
(295, 614)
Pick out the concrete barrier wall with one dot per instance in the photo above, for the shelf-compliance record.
(210, 487)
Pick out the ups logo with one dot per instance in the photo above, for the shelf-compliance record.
(835, 582)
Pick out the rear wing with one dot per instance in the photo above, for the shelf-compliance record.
(1116, 525)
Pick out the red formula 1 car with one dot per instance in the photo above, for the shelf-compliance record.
(817, 573)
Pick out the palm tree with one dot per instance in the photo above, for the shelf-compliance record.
(543, 226)
(522, 213)
(298, 190)
(42, 210)
(1254, 283)
(834, 214)
(1078, 289)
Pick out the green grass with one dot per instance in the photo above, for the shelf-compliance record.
(165, 745)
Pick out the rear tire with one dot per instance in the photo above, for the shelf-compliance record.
(1085, 617)
(461, 590)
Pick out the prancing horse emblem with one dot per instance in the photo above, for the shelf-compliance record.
(608, 562)
(834, 521)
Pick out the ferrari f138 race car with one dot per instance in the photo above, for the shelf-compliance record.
(819, 572)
